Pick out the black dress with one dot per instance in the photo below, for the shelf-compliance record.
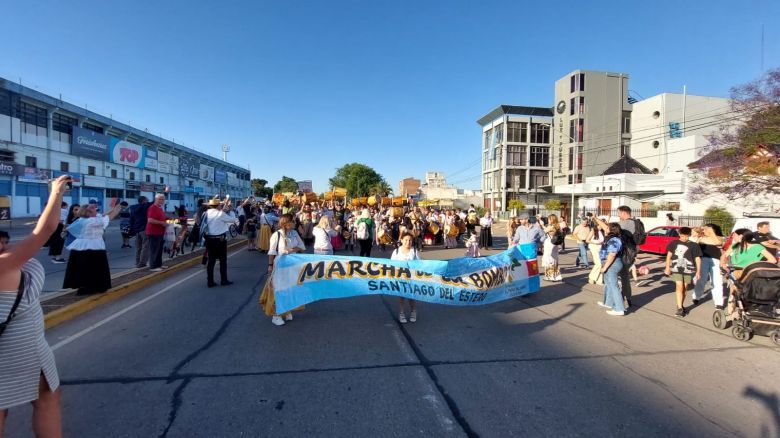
(485, 237)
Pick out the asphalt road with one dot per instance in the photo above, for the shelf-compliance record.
(182, 360)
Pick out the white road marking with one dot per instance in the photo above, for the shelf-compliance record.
(116, 315)
(432, 396)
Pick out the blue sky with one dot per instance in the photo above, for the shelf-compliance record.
(299, 88)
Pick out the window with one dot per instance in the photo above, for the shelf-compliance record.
(33, 119)
(516, 155)
(582, 81)
(62, 127)
(571, 158)
(113, 173)
(162, 180)
(131, 176)
(540, 157)
(571, 106)
(626, 122)
(577, 82)
(538, 178)
(191, 183)
(625, 148)
(517, 132)
(571, 130)
(488, 138)
(64, 166)
(132, 194)
(9, 103)
(485, 162)
(580, 160)
(573, 83)
(580, 130)
(515, 179)
(582, 106)
(148, 178)
(91, 170)
(540, 133)
(92, 127)
(31, 161)
(115, 193)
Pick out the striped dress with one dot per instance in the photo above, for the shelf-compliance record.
(24, 352)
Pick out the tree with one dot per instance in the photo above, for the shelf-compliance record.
(552, 204)
(381, 189)
(741, 160)
(719, 216)
(357, 178)
(286, 184)
(516, 204)
(259, 188)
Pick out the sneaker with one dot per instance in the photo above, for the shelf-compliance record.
(402, 318)
(615, 313)
(601, 303)
(288, 317)
(58, 261)
(155, 270)
(413, 316)
(277, 320)
(680, 313)
(559, 278)
(640, 283)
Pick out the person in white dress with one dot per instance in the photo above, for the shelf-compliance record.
(406, 252)
(552, 271)
(88, 269)
(284, 241)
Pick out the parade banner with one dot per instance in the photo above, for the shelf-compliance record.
(299, 279)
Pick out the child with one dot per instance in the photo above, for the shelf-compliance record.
(251, 232)
(472, 244)
(349, 235)
(683, 263)
(552, 272)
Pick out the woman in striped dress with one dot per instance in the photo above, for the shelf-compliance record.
(27, 369)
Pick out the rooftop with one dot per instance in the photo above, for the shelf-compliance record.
(516, 110)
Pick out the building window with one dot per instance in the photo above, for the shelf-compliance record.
(582, 81)
(569, 179)
(488, 138)
(64, 166)
(131, 176)
(94, 128)
(626, 122)
(656, 114)
(62, 127)
(191, 183)
(571, 158)
(538, 178)
(580, 159)
(162, 180)
(517, 132)
(571, 106)
(540, 133)
(540, 157)
(577, 82)
(31, 161)
(132, 194)
(516, 155)
(33, 119)
(573, 83)
(625, 148)
(113, 173)
(581, 110)
(580, 130)
(115, 193)
(91, 170)
(515, 179)
(571, 130)
(148, 178)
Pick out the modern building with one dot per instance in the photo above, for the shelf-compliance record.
(408, 187)
(516, 157)
(42, 137)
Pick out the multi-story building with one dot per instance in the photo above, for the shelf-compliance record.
(435, 180)
(408, 187)
(515, 155)
(42, 137)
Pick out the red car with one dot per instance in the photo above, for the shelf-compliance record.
(658, 238)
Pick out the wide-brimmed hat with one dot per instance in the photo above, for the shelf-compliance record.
(214, 202)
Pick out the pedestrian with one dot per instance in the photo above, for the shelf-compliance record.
(322, 236)
(364, 232)
(595, 241)
(611, 265)
(306, 225)
(138, 227)
(215, 224)
(155, 232)
(56, 240)
(88, 269)
(485, 233)
(551, 247)
(406, 252)
(566, 231)
(250, 226)
(284, 241)
(710, 244)
(528, 232)
(28, 372)
(195, 235)
(124, 224)
(581, 233)
(628, 226)
(683, 264)
(763, 235)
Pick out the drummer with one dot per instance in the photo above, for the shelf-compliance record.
(450, 231)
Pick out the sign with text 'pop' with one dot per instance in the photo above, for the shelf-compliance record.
(299, 279)
(126, 153)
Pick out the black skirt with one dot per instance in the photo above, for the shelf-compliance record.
(485, 237)
(56, 242)
(88, 272)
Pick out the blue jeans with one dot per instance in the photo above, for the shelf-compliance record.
(582, 258)
(612, 296)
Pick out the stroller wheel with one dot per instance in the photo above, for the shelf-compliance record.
(719, 319)
(741, 333)
(775, 337)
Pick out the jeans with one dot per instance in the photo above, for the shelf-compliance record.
(612, 295)
(155, 251)
(582, 258)
(710, 268)
(141, 249)
(625, 281)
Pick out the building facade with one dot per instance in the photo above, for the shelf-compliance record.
(408, 187)
(42, 137)
(516, 156)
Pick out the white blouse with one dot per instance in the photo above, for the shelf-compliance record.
(91, 236)
(486, 222)
(279, 246)
(399, 255)
(322, 239)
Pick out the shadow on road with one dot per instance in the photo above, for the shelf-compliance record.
(772, 403)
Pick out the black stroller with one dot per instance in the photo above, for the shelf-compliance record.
(757, 303)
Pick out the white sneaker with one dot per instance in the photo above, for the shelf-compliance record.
(288, 317)
(155, 270)
(402, 318)
(277, 320)
(601, 303)
(615, 313)
(559, 278)
(413, 316)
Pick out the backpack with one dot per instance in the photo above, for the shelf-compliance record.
(639, 236)
(362, 231)
(557, 238)
(629, 251)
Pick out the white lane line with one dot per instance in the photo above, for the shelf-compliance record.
(432, 396)
(116, 315)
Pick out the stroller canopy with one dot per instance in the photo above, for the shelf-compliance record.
(761, 283)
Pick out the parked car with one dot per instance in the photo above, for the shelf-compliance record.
(658, 238)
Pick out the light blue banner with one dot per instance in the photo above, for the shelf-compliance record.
(299, 279)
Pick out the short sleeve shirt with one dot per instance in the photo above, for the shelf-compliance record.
(683, 256)
(612, 246)
(763, 237)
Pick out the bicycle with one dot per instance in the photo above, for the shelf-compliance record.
(233, 231)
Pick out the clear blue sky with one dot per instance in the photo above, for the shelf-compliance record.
(301, 87)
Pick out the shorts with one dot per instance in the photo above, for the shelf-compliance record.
(685, 278)
(251, 234)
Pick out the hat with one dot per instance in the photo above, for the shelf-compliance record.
(214, 202)
(532, 220)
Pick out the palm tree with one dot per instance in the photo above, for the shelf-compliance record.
(381, 189)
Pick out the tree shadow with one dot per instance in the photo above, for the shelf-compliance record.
(772, 402)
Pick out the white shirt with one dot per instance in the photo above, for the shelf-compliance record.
(399, 255)
(486, 222)
(63, 215)
(91, 236)
(322, 239)
(279, 246)
(218, 222)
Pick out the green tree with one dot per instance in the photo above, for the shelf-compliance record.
(552, 204)
(286, 184)
(357, 178)
(381, 189)
(259, 188)
(516, 204)
(719, 216)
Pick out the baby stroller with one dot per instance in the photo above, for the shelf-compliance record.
(757, 303)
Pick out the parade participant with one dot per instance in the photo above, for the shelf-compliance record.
(250, 227)
(595, 241)
(485, 233)
(155, 231)
(710, 244)
(56, 241)
(338, 216)
(87, 268)
(450, 231)
(138, 227)
(348, 234)
(552, 271)
(306, 225)
(472, 220)
(266, 221)
(215, 224)
(565, 230)
(124, 224)
(472, 245)
(406, 252)
(683, 264)
(511, 228)
(528, 232)
(72, 214)
(284, 241)
(28, 373)
(581, 233)
(610, 267)
(196, 233)
(322, 236)
(364, 229)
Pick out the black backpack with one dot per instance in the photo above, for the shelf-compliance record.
(557, 238)
(639, 236)
(629, 251)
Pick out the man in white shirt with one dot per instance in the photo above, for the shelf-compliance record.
(216, 221)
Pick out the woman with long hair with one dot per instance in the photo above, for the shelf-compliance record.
(284, 241)
(552, 270)
(406, 252)
(710, 244)
(595, 240)
(611, 264)
(28, 373)
(322, 237)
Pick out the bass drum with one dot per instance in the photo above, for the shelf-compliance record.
(452, 230)
(434, 228)
(384, 237)
(397, 212)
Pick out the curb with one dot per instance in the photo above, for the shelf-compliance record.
(83, 306)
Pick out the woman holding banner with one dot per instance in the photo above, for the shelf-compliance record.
(406, 252)
(284, 241)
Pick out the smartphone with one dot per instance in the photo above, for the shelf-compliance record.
(68, 184)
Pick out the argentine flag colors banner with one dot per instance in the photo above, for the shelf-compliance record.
(300, 279)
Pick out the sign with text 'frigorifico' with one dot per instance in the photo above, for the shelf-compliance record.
(299, 279)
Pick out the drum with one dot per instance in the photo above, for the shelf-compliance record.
(397, 212)
(372, 200)
(434, 227)
(462, 227)
(384, 237)
(309, 197)
(387, 202)
(278, 198)
(346, 234)
(339, 192)
(452, 230)
(399, 201)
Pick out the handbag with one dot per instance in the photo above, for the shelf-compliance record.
(18, 300)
